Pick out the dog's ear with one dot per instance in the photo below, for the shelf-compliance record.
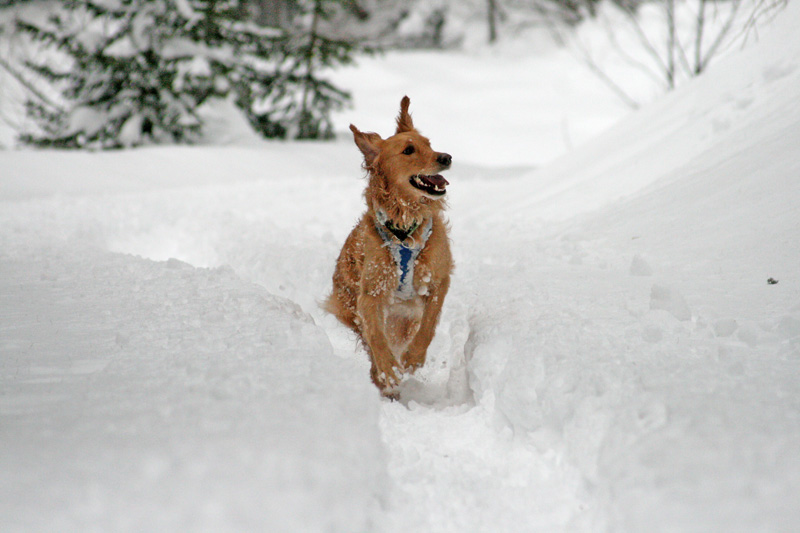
(404, 122)
(368, 143)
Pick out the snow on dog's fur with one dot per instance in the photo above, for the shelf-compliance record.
(393, 272)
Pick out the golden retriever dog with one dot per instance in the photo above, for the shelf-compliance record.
(393, 272)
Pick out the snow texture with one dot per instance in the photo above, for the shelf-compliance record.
(131, 386)
(610, 357)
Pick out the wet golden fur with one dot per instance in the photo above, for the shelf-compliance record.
(395, 332)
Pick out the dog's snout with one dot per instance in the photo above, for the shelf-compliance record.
(444, 159)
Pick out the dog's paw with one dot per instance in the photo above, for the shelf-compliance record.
(390, 388)
(386, 380)
(391, 394)
(412, 360)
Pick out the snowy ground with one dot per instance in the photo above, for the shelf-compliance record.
(610, 357)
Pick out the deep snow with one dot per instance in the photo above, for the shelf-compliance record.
(610, 358)
(158, 396)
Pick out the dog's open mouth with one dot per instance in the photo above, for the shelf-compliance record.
(434, 185)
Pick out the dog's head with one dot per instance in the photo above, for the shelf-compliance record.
(406, 163)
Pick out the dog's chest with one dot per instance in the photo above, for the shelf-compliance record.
(405, 256)
(405, 261)
(401, 321)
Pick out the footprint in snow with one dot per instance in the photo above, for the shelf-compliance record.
(640, 267)
(670, 300)
(443, 381)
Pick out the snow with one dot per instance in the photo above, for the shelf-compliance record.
(549, 104)
(131, 386)
(610, 357)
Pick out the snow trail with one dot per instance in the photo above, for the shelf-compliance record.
(454, 471)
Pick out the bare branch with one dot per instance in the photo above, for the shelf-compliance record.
(605, 78)
(763, 9)
(619, 49)
(648, 46)
(723, 32)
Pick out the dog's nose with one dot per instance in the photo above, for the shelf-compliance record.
(444, 159)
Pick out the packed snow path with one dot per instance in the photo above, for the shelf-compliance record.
(611, 356)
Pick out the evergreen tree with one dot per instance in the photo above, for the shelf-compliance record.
(275, 73)
(121, 83)
(243, 59)
(314, 49)
(137, 70)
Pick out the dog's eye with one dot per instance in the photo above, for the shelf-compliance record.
(409, 150)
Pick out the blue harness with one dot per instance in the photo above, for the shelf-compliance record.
(404, 253)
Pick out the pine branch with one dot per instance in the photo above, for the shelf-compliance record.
(17, 75)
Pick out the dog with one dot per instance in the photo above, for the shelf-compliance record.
(393, 272)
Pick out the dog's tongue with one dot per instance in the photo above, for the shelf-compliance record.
(436, 180)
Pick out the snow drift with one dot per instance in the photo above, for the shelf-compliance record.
(649, 346)
(141, 395)
(610, 358)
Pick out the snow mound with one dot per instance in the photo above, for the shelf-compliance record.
(742, 101)
(142, 395)
(676, 398)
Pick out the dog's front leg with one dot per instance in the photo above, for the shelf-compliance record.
(370, 312)
(415, 354)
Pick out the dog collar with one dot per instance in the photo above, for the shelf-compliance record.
(404, 253)
(402, 233)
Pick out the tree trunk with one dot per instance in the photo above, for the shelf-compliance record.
(492, 19)
(671, 43)
(698, 40)
(309, 60)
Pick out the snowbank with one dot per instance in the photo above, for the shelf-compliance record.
(643, 341)
(141, 395)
